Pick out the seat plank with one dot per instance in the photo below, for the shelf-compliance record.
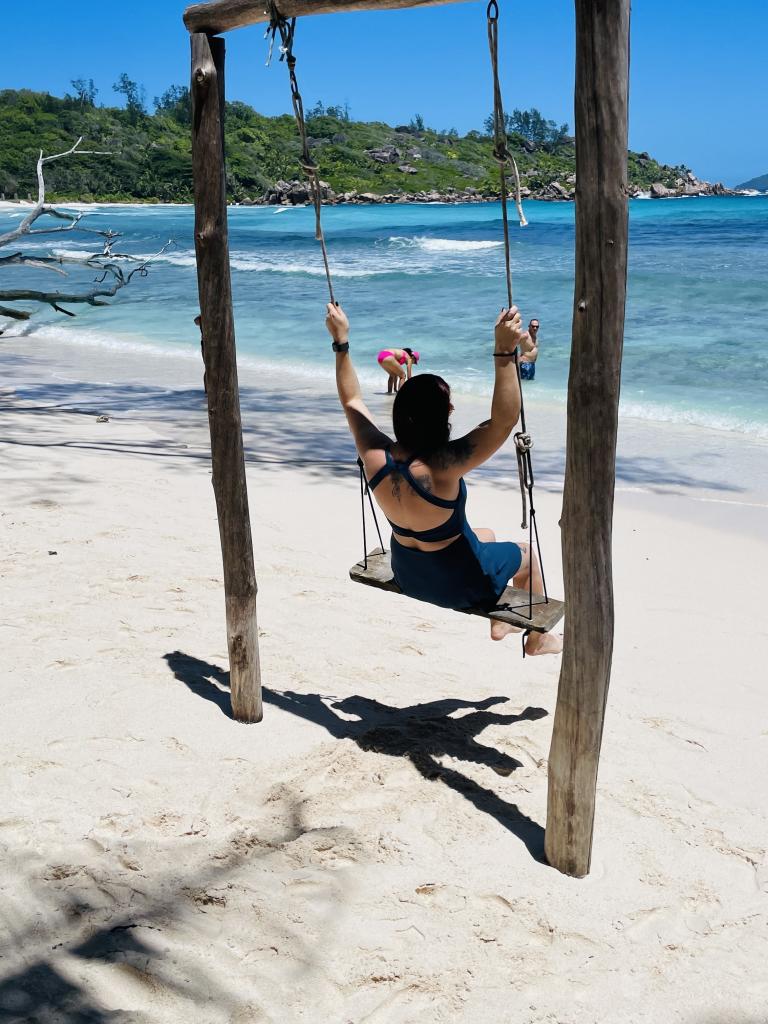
(545, 615)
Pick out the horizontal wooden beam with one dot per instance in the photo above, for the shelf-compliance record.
(223, 15)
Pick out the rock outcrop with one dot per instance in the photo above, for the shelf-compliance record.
(297, 193)
(556, 191)
(385, 155)
(690, 185)
(294, 193)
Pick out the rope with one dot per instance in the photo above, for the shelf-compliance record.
(503, 156)
(362, 513)
(286, 30)
(365, 489)
(500, 148)
(523, 440)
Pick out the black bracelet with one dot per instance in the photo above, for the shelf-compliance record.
(505, 355)
(340, 346)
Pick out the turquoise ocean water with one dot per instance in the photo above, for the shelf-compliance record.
(431, 276)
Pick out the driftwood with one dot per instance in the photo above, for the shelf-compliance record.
(218, 332)
(14, 314)
(111, 276)
(41, 209)
(102, 263)
(223, 15)
(602, 66)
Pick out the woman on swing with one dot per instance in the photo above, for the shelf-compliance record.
(418, 482)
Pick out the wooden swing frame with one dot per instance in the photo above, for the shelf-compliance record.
(601, 102)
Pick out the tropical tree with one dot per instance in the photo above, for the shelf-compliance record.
(531, 125)
(135, 97)
(85, 92)
(176, 102)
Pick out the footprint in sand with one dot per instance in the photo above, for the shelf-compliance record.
(58, 872)
(411, 649)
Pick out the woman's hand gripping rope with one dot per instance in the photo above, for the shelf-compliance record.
(337, 323)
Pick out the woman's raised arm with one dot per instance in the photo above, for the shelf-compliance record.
(479, 444)
(361, 424)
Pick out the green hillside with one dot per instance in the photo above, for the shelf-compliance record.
(150, 153)
(761, 183)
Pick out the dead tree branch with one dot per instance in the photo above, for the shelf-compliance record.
(14, 314)
(105, 263)
(93, 297)
(40, 208)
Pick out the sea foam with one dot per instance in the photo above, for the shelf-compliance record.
(442, 244)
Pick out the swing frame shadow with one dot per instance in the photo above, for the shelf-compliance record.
(601, 128)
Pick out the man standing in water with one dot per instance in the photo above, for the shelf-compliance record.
(528, 357)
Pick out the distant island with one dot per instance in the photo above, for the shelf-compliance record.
(759, 184)
(360, 162)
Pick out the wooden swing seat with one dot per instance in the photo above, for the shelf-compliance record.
(545, 615)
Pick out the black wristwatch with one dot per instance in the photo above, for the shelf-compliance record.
(340, 346)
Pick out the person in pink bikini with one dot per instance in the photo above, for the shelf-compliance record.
(392, 360)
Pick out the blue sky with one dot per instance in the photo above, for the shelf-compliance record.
(698, 81)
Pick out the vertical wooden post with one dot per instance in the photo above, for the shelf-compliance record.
(602, 68)
(214, 288)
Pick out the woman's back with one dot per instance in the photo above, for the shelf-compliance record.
(417, 496)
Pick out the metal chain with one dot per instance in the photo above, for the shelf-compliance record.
(286, 30)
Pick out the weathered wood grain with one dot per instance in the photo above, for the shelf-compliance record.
(602, 66)
(223, 15)
(545, 616)
(218, 330)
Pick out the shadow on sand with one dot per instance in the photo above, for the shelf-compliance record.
(307, 430)
(421, 734)
(148, 926)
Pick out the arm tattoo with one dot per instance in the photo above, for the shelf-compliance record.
(456, 452)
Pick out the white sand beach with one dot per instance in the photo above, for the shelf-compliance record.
(372, 851)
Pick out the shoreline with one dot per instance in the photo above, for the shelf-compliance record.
(129, 349)
(708, 471)
(380, 200)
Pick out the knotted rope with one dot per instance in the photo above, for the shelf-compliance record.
(523, 440)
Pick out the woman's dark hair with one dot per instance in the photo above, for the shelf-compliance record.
(420, 414)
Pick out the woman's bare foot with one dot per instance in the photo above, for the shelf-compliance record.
(501, 629)
(537, 643)
(544, 643)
